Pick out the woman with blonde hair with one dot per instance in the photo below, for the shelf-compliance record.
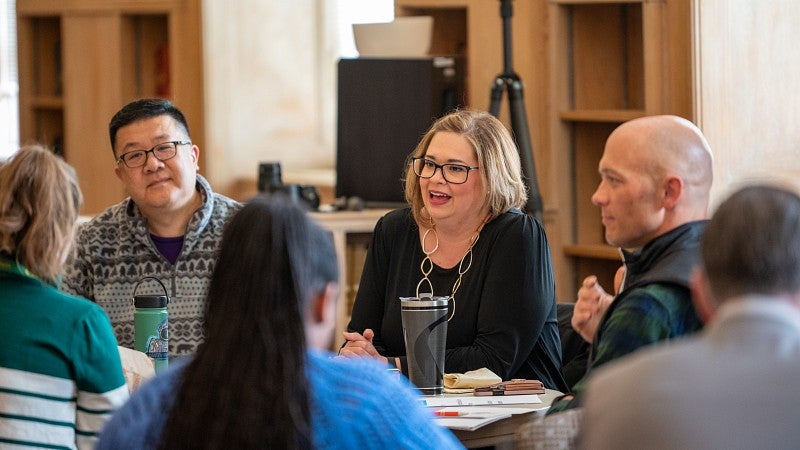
(59, 365)
(463, 236)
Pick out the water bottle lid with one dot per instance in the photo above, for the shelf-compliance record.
(150, 301)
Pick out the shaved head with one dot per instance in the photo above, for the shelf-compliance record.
(671, 146)
(656, 175)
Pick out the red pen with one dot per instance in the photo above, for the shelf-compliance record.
(448, 413)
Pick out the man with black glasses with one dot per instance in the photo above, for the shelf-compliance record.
(168, 228)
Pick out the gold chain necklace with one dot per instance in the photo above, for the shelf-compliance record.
(426, 266)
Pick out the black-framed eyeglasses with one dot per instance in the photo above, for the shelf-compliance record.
(162, 152)
(452, 173)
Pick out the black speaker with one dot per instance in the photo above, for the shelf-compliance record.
(384, 108)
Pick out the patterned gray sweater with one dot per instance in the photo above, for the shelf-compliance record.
(114, 252)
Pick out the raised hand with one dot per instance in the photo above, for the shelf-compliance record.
(590, 306)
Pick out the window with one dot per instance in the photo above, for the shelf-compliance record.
(9, 88)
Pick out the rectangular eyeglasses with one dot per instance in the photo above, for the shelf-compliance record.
(452, 173)
(162, 152)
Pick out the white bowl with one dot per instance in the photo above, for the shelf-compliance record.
(405, 37)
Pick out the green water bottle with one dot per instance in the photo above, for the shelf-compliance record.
(151, 325)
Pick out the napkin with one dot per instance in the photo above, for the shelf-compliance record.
(136, 366)
(460, 383)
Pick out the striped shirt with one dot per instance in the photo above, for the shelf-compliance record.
(60, 372)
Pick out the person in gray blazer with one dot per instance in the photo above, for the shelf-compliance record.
(732, 385)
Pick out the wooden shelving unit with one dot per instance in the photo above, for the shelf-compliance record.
(609, 63)
(81, 60)
(44, 116)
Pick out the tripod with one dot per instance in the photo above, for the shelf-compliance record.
(519, 120)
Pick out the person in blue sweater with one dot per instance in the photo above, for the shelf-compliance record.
(262, 378)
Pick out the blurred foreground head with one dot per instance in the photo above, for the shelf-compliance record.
(752, 244)
(39, 204)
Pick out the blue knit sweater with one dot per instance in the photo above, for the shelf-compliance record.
(344, 392)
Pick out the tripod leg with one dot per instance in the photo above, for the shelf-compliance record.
(519, 126)
(496, 96)
(519, 120)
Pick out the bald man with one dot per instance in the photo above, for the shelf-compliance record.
(729, 386)
(656, 174)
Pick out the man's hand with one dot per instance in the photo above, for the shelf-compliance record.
(589, 308)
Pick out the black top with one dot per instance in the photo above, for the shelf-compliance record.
(505, 309)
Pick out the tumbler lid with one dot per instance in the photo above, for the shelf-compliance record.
(423, 302)
(150, 301)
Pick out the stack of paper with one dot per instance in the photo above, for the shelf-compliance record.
(471, 400)
(469, 418)
(470, 412)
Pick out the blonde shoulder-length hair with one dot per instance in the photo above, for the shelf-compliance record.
(498, 160)
(39, 204)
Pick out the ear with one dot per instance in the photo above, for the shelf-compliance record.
(320, 319)
(118, 172)
(673, 188)
(703, 302)
(196, 156)
(323, 306)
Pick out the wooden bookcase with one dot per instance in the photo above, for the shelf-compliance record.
(81, 60)
(611, 61)
(43, 115)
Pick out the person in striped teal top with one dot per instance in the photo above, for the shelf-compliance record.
(60, 372)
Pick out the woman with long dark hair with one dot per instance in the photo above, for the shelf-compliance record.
(261, 379)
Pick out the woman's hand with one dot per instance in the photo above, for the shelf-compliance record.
(360, 345)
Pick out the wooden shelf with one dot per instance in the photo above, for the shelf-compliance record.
(47, 102)
(601, 115)
(597, 251)
(432, 3)
(588, 2)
